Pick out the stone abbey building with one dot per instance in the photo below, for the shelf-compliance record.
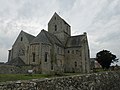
(54, 50)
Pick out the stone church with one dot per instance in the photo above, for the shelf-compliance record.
(52, 51)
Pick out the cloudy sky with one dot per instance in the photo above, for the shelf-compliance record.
(99, 18)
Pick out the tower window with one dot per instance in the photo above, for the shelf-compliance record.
(68, 51)
(75, 64)
(21, 38)
(67, 29)
(55, 27)
(33, 57)
(46, 56)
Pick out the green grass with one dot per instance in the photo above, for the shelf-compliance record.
(14, 77)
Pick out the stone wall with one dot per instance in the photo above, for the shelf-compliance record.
(96, 81)
(9, 69)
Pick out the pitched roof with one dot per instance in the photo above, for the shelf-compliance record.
(41, 38)
(52, 38)
(55, 14)
(16, 61)
(28, 36)
(46, 37)
(75, 41)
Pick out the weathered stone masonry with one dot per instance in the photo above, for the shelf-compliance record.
(96, 81)
(54, 50)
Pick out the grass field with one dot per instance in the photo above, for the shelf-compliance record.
(14, 77)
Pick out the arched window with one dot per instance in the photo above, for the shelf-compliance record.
(33, 56)
(55, 27)
(68, 51)
(46, 56)
(58, 50)
(21, 38)
(75, 64)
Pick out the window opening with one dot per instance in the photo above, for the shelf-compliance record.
(58, 50)
(55, 27)
(21, 38)
(33, 57)
(75, 64)
(46, 56)
(68, 51)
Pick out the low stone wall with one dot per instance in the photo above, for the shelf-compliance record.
(96, 81)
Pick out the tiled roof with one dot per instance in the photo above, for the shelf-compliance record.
(28, 36)
(52, 38)
(74, 41)
(46, 37)
(41, 38)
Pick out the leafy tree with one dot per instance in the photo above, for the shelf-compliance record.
(105, 58)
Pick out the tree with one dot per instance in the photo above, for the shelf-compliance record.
(105, 58)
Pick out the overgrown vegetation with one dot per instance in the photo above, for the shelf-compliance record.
(14, 77)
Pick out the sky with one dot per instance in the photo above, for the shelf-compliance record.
(99, 18)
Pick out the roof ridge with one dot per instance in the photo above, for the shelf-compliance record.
(28, 33)
(28, 36)
(78, 35)
(41, 37)
(59, 17)
(52, 36)
(47, 36)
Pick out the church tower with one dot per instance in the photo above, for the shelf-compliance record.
(59, 28)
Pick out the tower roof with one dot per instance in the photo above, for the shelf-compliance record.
(56, 15)
(75, 41)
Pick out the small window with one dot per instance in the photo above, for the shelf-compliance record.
(67, 28)
(21, 38)
(68, 51)
(75, 64)
(55, 27)
(33, 57)
(58, 50)
(46, 56)
(61, 62)
(55, 18)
